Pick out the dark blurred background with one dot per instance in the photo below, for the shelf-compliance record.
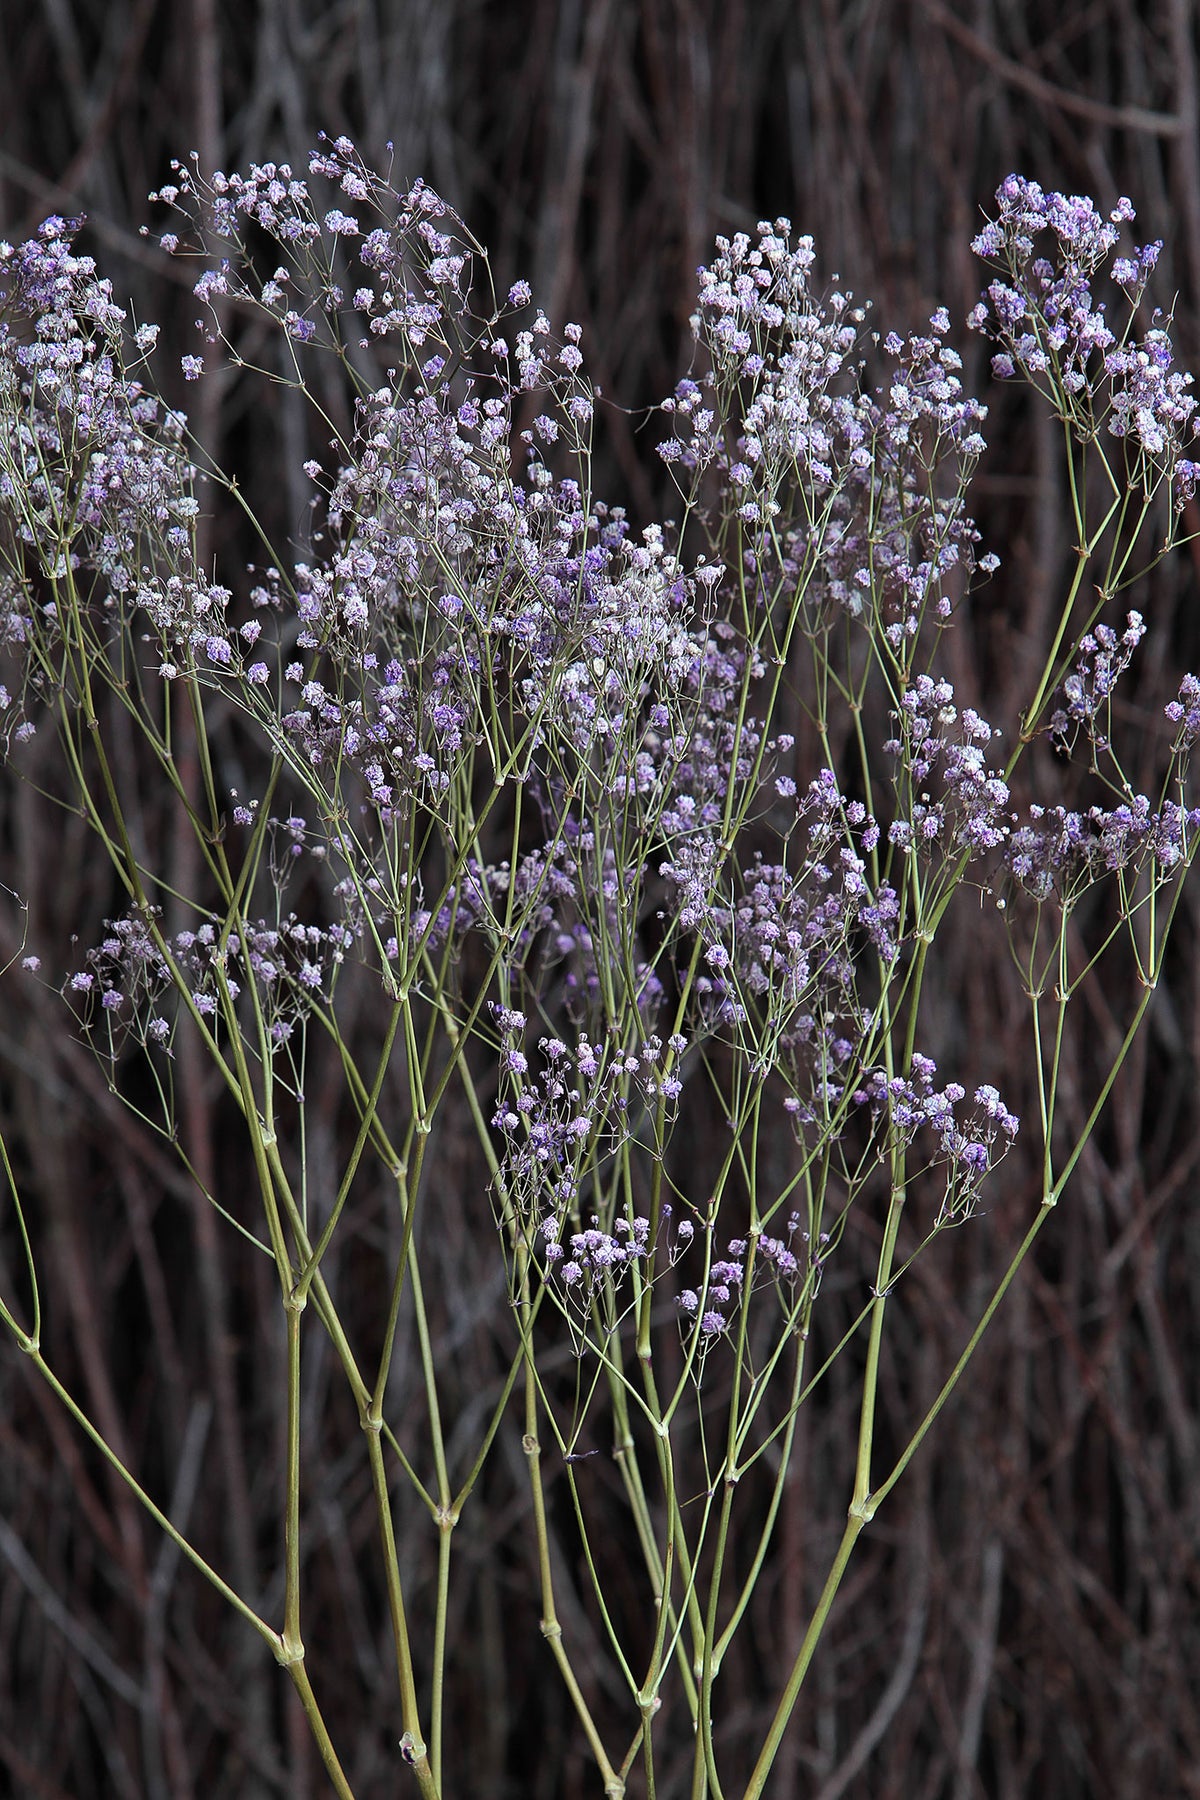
(1024, 1616)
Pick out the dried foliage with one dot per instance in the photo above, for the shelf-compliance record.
(1025, 1617)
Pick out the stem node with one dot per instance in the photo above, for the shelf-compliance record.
(291, 1650)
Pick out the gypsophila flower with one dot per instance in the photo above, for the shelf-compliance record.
(1184, 713)
(514, 814)
(1044, 313)
(1101, 659)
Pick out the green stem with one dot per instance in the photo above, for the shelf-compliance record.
(445, 1539)
(614, 1786)
(293, 1308)
(413, 1742)
(366, 1123)
(866, 1425)
(319, 1729)
(765, 1535)
(783, 1712)
(270, 1637)
(874, 1500)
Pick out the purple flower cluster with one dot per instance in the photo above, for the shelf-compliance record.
(910, 537)
(271, 196)
(527, 588)
(135, 976)
(712, 1306)
(583, 1103)
(583, 1262)
(783, 943)
(764, 331)
(1184, 713)
(1063, 852)
(789, 1263)
(833, 486)
(95, 487)
(1044, 315)
(1151, 405)
(935, 738)
(595, 1255)
(910, 1103)
(1102, 657)
(542, 751)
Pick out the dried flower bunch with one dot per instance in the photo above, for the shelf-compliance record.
(617, 821)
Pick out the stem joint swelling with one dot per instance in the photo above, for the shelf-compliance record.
(288, 1650)
(412, 1749)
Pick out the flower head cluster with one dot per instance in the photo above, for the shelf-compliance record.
(95, 487)
(1101, 660)
(898, 544)
(543, 751)
(594, 1255)
(581, 1263)
(1063, 852)
(911, 1103)
(833, 484)
(584, 1102)
(1184, 713)
(1151, 406)
(791, 1263)
(135, 977)
(937, 739)
(520, 585)
(781, 943)
(765, 331)
(1043, 314)
(712, 1306)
